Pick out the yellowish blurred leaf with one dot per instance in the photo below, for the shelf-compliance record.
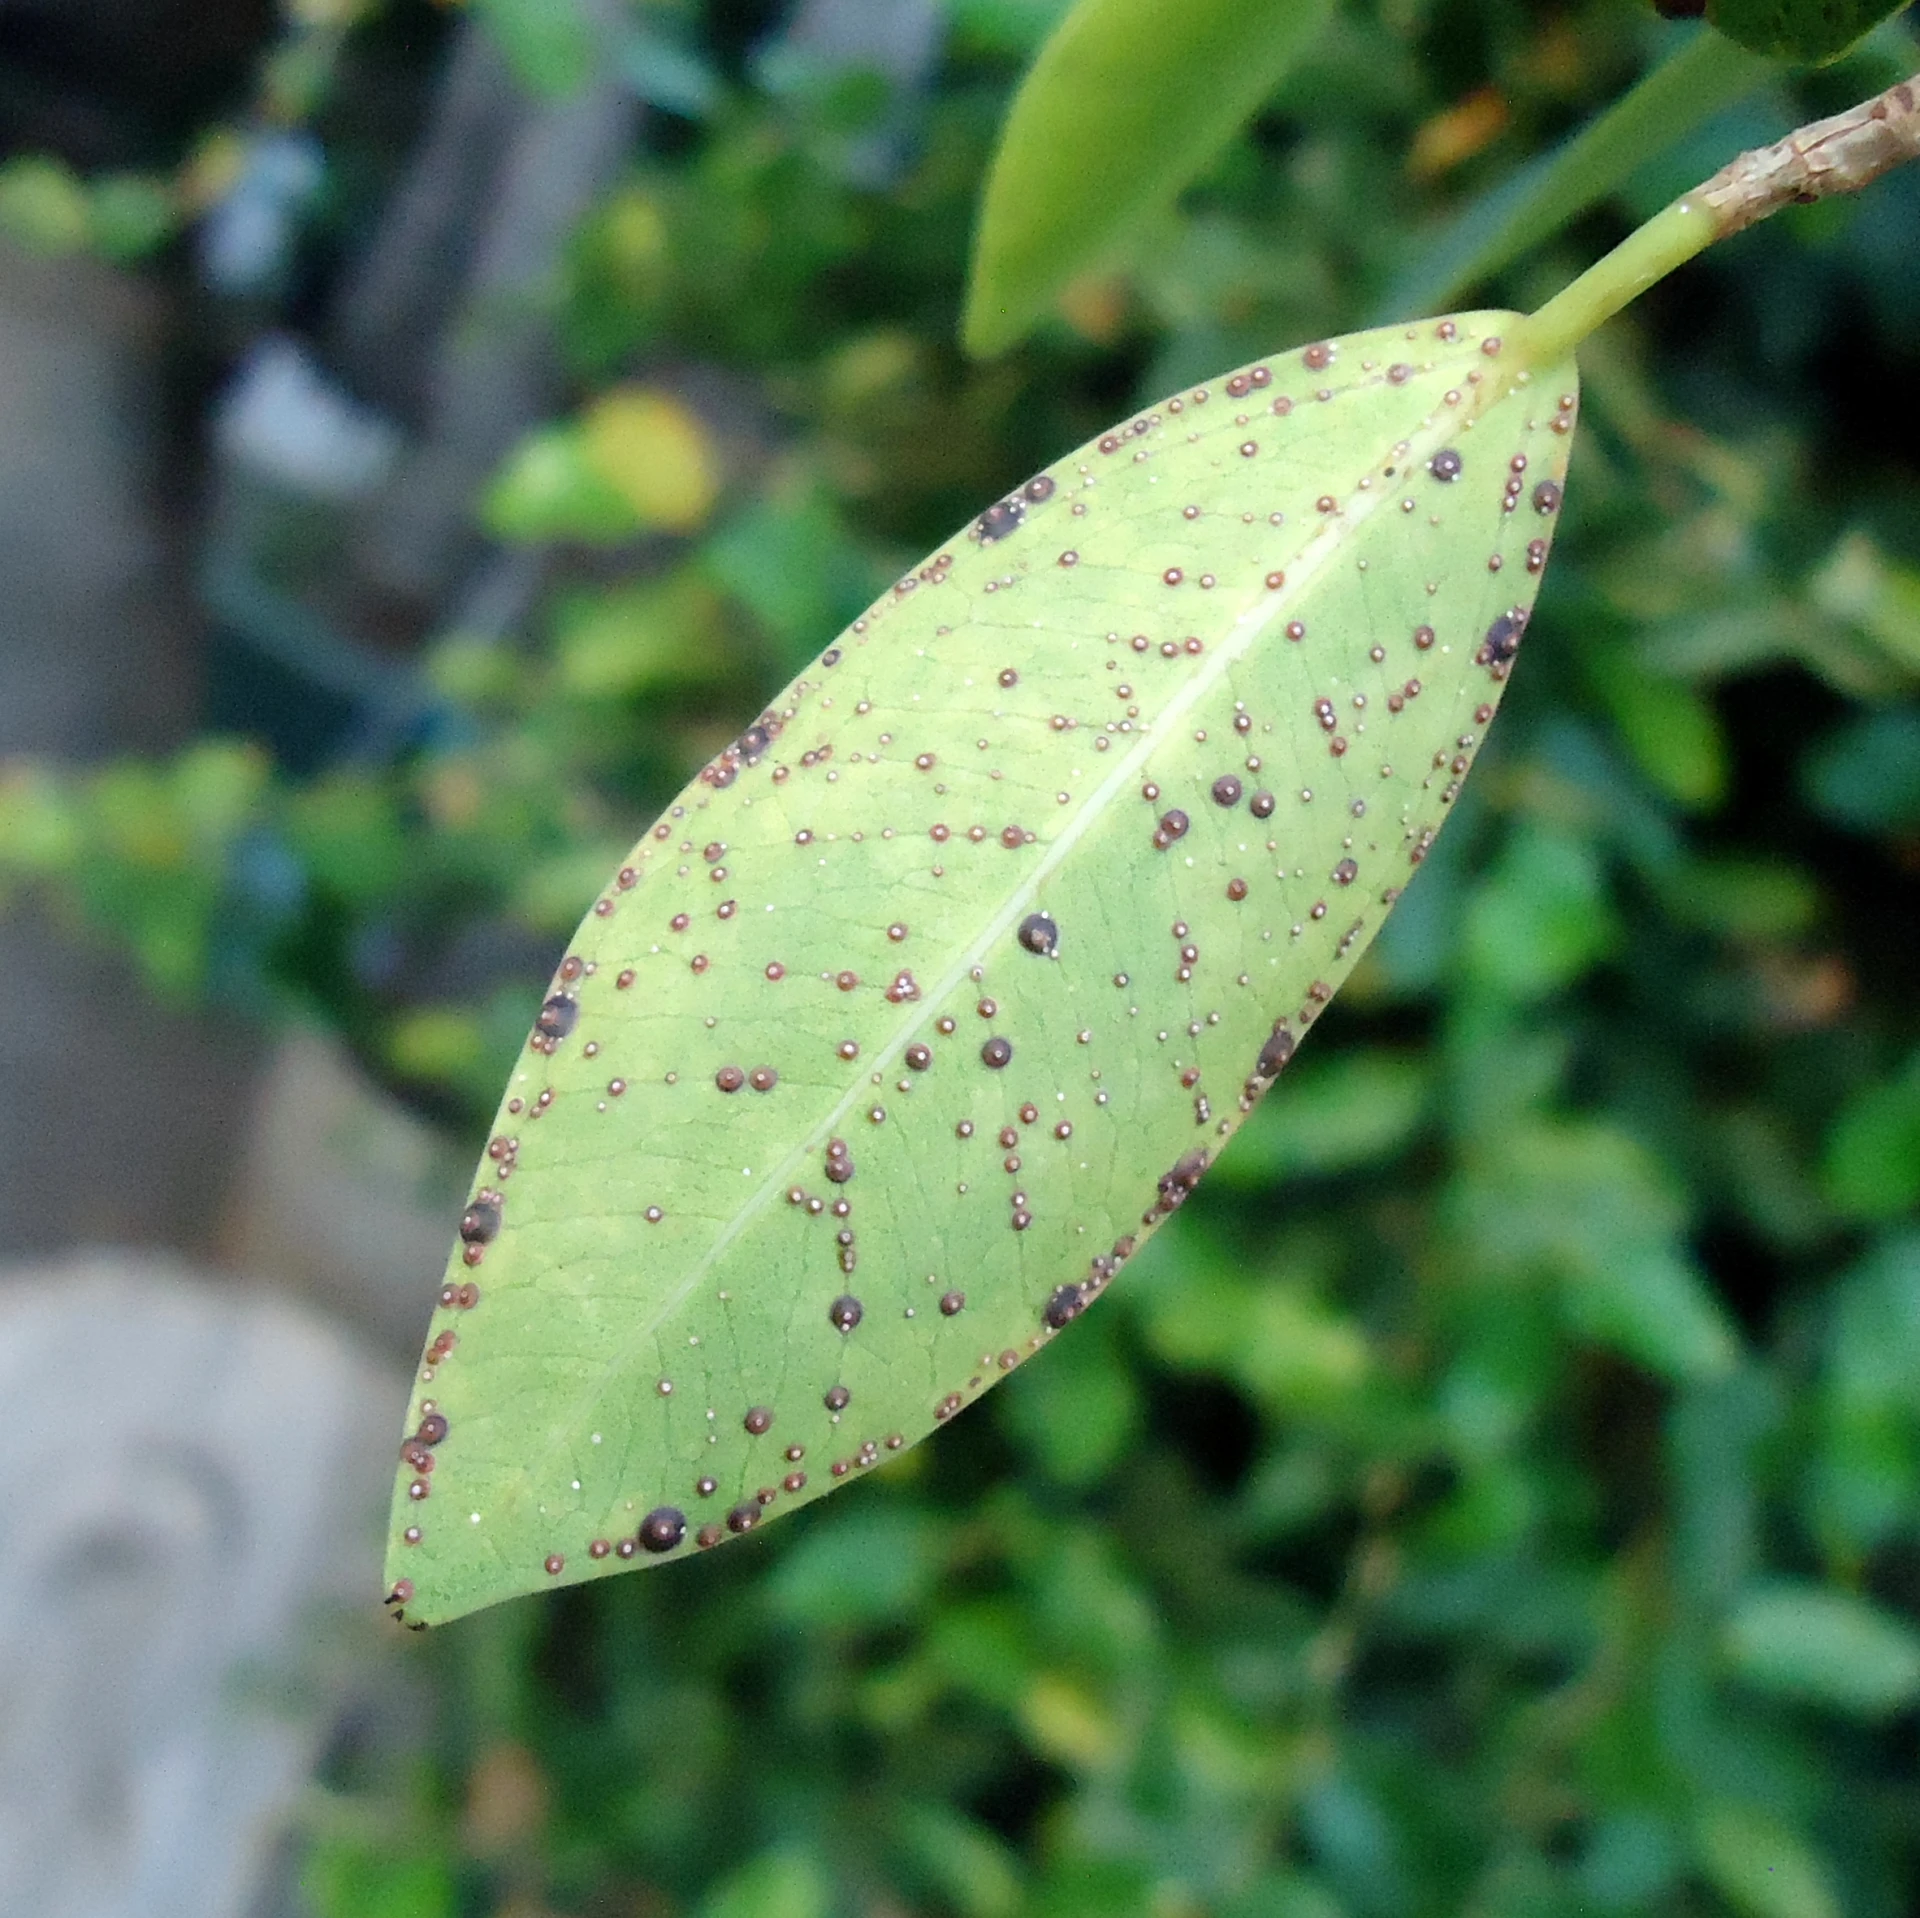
(1457, 133)
(655, 452)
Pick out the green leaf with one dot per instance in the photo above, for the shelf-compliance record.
(1354, 1108)
(879, 1566)
(549, 44)
(1801, 31)
(1865, 1486)
(1867, 774)
(1588, 1206)
(549, 488)
(345, 1878)
(1703, 75)
(1004, 26)
(1761, 1868)
(1126, 103)
(1651, 1304)
(779, 1884)
(1669, 726)
(1075, 1415)
(1811, 1643)
(1871, 1168)
(1876, 596)
(43, 205)
(1542, 918)
(968, 1864)
(937, 991)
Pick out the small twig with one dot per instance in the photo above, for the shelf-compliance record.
(1839, 155)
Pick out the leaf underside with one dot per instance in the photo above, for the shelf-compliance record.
(935, 993)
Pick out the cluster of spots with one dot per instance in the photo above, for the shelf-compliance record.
(1172, 825)
(659, 1532)
(867, 1454)
(1066, 1302)
(1066, 1305)
(554, 1021)
(1502, 642)
(747, 751)
(479, 1227)
(732, 1078)
(416, 1452)
(1175, 1184)
(1274, 1054)
(1005, 515)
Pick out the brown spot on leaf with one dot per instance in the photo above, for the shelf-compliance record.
(557, 1017)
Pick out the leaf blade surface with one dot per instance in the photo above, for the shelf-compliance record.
(936, 993)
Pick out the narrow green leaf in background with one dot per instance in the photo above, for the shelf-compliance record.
(778, 1884)
(1125, 104)
(1703, 75)
(1763, 1868)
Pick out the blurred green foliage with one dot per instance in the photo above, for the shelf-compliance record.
(1499, 1492)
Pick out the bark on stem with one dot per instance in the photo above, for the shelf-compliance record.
(1839, 155)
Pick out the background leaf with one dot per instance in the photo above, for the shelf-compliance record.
(1825, 1648)
(1126, 102)
(1702, 75)
(1815, 30)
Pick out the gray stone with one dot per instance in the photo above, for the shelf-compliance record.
(192, 1484)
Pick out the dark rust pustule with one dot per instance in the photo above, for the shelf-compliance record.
(999, 520)
(1275, 1054)
(480, 1222)
(558, 1016)
(433, 1428)
(1066, 1305)
(662, 1529)
(1502, 640)
(1039, 934)
(845, 1312)
(1180, 1179)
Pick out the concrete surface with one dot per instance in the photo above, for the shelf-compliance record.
(192, 1489)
